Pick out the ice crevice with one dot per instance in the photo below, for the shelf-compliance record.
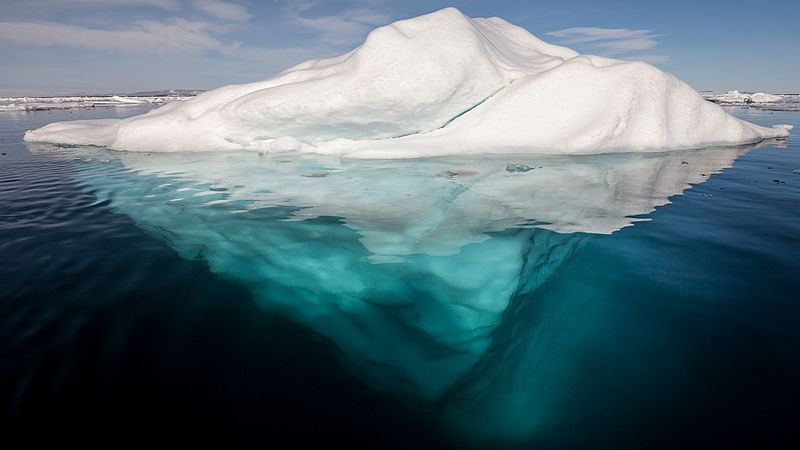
(454, 118)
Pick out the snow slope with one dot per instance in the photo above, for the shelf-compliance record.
(437, 84)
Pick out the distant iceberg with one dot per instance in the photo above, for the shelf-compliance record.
(738, 98)
(17, 104)
(438, 84)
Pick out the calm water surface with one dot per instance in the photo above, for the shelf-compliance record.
(237, 300)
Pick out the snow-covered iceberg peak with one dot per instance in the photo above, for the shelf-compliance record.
(437, 84)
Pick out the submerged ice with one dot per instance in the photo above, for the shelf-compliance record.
(438, 84)
(409, 275)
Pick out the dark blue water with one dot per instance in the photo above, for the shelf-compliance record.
(236, 301)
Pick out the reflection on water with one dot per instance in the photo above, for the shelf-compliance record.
(432, 206)
(408, 266)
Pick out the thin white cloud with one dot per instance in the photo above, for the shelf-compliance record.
(591, 34)
(628, 45)
(296, 5)
(276, 58)
(178, 35)
(169, 5)
(344, 28)
(619, 42)
(652, 59)
(223, 10)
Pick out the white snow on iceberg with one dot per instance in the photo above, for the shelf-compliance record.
(437, 84)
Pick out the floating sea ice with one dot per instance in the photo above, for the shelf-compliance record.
(736, 97)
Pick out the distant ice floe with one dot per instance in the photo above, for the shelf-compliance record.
(71, 102)
(782, 102)
(438, 84)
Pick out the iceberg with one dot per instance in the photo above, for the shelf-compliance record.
(16, 104)
(438, 84)
(735, 97)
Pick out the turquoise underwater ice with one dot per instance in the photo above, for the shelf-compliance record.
(412, 268)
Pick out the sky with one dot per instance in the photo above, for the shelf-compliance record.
(122, 46)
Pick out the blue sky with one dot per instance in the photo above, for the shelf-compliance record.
(74, 46)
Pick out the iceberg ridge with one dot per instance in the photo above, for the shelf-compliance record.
(438, 84)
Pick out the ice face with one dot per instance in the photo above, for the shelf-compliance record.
(407, 266)
(438, 84)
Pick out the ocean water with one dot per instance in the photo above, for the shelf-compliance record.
(235, 300)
